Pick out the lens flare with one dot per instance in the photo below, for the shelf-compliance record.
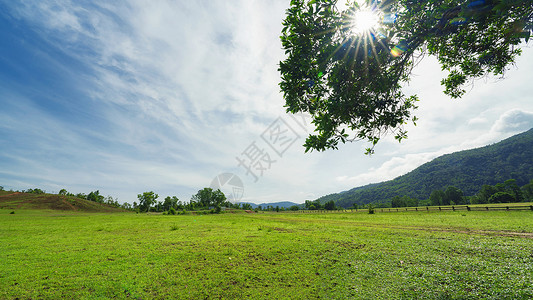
(364, 20)
(398, 49)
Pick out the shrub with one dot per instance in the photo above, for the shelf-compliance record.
(370, 209)
(12, 212)
(172, 211)
(501, 197)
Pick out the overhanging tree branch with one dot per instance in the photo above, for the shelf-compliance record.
(352, 83)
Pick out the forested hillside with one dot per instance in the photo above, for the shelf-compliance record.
(467, 170)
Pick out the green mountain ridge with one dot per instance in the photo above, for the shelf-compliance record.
(467, 170)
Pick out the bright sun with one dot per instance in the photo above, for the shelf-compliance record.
(364, 20)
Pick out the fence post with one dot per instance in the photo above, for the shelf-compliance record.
(531, 207)
(453, 208)
(440, 208)
(416, 208)
(427, 208)
(487, 207)
(507, 207)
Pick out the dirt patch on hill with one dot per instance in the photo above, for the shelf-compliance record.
(54, 202)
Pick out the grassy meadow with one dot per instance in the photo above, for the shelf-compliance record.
(47, 254)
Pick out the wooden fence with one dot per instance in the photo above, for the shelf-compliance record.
(430, 208)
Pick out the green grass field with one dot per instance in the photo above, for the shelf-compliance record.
(406, 255)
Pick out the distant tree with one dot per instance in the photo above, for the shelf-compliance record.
(247, 206)
(501, 197)
(437, 198)
(35, 191)
(511, 187)
(294, 208)
(313, 205)
(170, 202)
(95, 196)
(527, 191)
(483, 196)
(453, 195)
(192, 205)
(260, 207)
(63, 192)
(404, 201)
(81, 196)
(330, 205)
(146, 200)
(397, 202)
(126, 206)
(371, 208)
(157, 207)
(1, 188)
(109, 200)
(425, 202)
(208, 197)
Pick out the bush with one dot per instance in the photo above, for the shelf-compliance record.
(502, 197)
(371, 209)
(12, 212)
(172, 211)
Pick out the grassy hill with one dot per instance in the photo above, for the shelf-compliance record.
(16, 200)
(467, 170)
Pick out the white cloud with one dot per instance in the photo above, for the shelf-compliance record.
(513, 121)
(177, 89)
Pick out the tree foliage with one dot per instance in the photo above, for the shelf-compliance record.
(351, 83)
(208, 197)
(146, 200)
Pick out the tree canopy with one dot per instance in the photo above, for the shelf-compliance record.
(207, 197)
(350, 81)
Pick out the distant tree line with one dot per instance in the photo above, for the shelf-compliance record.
(206, 199)
(506, 192)
(316, 205)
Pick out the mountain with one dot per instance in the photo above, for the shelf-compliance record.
(467, 170)
(17, 200)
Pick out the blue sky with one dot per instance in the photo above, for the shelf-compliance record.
(135, 96)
